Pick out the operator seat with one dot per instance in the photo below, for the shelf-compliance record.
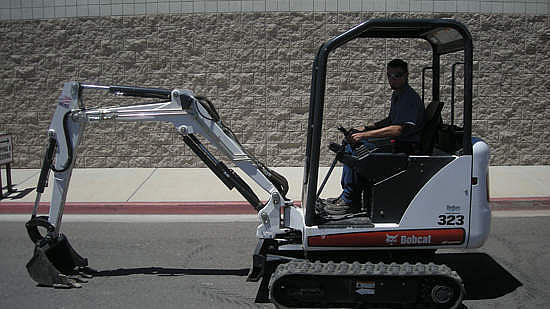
(432, 122)
(388, 166)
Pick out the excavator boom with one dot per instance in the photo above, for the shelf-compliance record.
(191, 116)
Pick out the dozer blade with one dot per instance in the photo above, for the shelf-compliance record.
(55, 262)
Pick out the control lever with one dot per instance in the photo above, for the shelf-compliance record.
(339, 150)
(347, 136)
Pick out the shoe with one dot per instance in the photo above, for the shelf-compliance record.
(339, 208)
(320, 206)
(333, 200)
(322, 203)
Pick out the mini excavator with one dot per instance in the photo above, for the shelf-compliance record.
(413, 205)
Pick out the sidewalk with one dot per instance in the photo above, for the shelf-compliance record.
(186, 190)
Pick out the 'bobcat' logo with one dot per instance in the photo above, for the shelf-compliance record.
(391, 239)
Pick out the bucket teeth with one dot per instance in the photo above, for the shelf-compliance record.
(68, 282)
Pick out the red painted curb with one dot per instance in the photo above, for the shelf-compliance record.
(521, 204)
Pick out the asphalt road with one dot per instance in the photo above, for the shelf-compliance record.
(204, 265)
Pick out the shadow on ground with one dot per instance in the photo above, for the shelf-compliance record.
(161, 271)
(16, 194)
(483, 277)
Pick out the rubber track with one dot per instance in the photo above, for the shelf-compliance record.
(304, 267)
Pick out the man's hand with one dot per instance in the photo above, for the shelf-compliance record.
(358, 136)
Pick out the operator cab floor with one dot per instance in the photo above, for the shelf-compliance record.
(355, 220)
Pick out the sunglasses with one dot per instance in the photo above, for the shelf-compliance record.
(396, 75)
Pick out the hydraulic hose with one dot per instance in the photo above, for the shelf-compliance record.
(68, 144)
(33, 225)
(207, 104)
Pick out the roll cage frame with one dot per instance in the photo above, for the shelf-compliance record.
(445, 36)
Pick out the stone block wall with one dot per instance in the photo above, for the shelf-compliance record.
(256, 69)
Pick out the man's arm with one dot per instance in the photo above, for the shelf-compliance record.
(389, 131)
(376, 125)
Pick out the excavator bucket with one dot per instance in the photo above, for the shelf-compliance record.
(54, 262)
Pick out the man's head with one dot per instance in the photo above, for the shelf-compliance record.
(398, 74)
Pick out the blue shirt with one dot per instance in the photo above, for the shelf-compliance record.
(407, 110)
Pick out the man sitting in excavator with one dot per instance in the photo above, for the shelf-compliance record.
(402, 126)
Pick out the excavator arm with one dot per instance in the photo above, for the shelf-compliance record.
(191, 116)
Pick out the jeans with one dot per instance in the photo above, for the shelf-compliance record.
(351, 183)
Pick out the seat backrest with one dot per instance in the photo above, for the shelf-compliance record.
(432, 122)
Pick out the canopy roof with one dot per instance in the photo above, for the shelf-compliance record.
(446, 36)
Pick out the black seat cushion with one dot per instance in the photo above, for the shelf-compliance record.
(432, 122)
